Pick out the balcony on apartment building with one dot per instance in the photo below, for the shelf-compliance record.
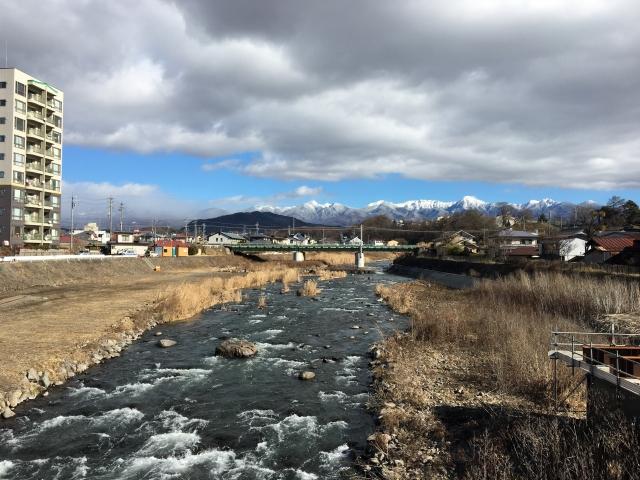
(33, 182)
(32, 236)
(54, 120)
(53, 152)
(54, 137)
(35, 149)
(32, 201)
(35, 132)
(34, 165)
(35, 115)
(54, 104)
(49, 201)
(36, 97)
(52, 169)
(33, 218)
(52, 185)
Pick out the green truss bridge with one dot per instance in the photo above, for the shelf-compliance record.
(319, 247)
(299, 250)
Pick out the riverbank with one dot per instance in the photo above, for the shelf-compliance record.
(56, 329)
(467, 392)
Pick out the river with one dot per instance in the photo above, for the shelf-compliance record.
(182, 412)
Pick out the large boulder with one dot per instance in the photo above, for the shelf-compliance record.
(306, 375)
(7, 413)
(234, 348)
(166, 343)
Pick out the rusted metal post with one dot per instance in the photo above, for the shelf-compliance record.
(573, 367)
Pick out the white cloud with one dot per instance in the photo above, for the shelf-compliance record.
(541, 93)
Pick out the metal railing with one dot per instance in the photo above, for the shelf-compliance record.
(35, 115)
(600, 353)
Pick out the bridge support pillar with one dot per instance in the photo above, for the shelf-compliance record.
(298, 256)
(360, 259)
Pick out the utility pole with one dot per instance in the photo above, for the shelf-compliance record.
(121, 210)
(323, 235)
(257, 228)
(361, 239)
(73, 206)
(110, 216)
(204, 230)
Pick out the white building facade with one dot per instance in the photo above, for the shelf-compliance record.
(30, 160)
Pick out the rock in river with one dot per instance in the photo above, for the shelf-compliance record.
(306, 376)
(166, 343)
(234, 348)
(8, 413)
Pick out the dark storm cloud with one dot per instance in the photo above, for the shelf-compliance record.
(543, 93)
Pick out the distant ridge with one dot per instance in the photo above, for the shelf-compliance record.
(248, 220)
(417, 210)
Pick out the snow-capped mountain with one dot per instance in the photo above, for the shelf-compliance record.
(414, 210)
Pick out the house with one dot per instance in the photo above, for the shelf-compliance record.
(628, 256)
(260, 238)
(607, 245)
(378, 243)
(509, 242)
(299, 239)
(566, 245)
(456, 243)
(225, 238)
(126, 243)
(393, 243)
(352, 241)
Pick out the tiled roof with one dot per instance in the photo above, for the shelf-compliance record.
(517, 233)
(614, 243)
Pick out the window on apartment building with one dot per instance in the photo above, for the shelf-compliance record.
(21, 89)
(18, 177)
(3, 84)
(18, 159)
(3, 103)
(1, 173)
(20, 124)
(21, 107)
(55, 201)
(3, 120)
(1, 138)
(1, 156)
(18, 141)
(18, 195)
(16, 213)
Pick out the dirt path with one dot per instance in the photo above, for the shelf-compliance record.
(49, 325)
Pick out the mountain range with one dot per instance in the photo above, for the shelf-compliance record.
(416, 210)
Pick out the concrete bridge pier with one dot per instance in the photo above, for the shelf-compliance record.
(360, 259)
(298, 256)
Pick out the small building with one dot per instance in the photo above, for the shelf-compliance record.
(393, 243)
(456, 243)
(355, 240)
(126, 243)
(378, 243)
(607, 245)
(225, 238)
(630, 256)
(299, 239)
(567, 245)
(509, 243)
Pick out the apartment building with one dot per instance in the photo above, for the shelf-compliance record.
(30, 160)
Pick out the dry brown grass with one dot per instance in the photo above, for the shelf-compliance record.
(576, 297)
(187, 300)
(331, 274)
(309, 289)
(262, 302)
(346, 258)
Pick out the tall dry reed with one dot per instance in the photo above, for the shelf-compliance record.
(186, 300)
(309, 289)
(576, 297)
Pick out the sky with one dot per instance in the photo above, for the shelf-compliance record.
(184, 109)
